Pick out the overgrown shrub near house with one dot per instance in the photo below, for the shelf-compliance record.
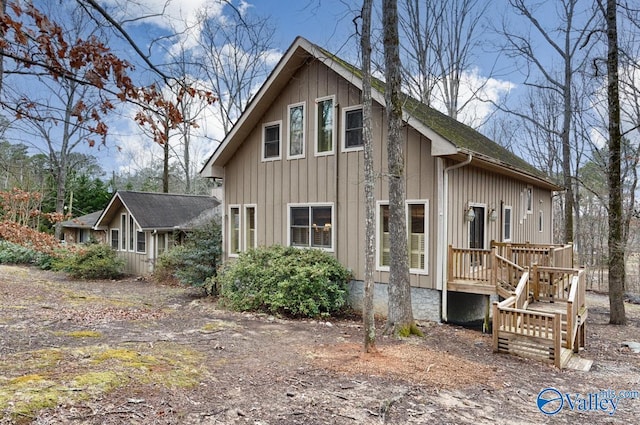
(284, 280)
(11, 253)
(96, 261)
(193, 262)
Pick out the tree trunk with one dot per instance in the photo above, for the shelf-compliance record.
(369, 183)
(616, 244)
(165, 165)
(400, 316)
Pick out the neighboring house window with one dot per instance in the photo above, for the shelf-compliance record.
(250, 237)
(353, 128)
(325, 134)
(141, 242)
(271, 141)
(529, 200)
(82, 235)
(131, 233)
(540, 220)
(115, 238)
(234, 230)
(161, 243)
(507, 221)
(417, 229)
(296, 131)
(123, 231)
(311, 226)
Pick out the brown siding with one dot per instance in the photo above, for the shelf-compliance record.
(135, 263)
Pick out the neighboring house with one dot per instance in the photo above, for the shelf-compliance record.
(81, 229)
(293, 171)
(142, 225)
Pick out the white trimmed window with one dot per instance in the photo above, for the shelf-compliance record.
(352, 125)
(528, 197)
(296, 131)
(507, 223)
(325, 132)
(250, 236)
(141, 242)
(115, 238)
(132, 233)
(311, 226)
(271, 141)
(540, 221)
(417, 237)
(123, 232)
(234, 230)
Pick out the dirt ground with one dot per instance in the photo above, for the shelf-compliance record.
(137, 352)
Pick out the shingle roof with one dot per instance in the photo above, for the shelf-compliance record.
(84, 221)
(162, 210)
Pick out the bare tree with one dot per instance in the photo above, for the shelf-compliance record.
(442, 38)
(400, 316)
(235, 58)
(566, 40)
(369, 182)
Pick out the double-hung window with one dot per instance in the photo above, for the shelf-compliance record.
(352, 128)
(296, 131)
(271, 141)
(417, 234)
(250, 237)
(132, 232)
(325, 133)
(115, 242)
(141, 242)
(311, 226)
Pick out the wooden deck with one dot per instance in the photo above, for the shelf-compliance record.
(543, 315)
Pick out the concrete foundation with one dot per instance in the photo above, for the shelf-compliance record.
(426, 303)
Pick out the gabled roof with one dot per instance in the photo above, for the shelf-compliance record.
(160, 211)
(449, 138)
(84, 221)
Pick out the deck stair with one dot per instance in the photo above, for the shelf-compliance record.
(543, 314)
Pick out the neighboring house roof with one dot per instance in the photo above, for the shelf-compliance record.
(160, 211)
(87, 221)
(449, 138)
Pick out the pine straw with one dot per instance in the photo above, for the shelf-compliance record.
(408, 362)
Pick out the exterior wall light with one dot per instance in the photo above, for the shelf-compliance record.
(470, 214)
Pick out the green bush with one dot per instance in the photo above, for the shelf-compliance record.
(196, 260)
(93, 262)
(11, 253)
(291, 281)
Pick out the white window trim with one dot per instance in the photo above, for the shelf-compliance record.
(313, 204)
(131, 238)
(528, 200)
(333, 133)
(504, 220)
(239, 207)
(408, 202)
(304, 130)
(245, 228)
(264, 126)
(123, 232)
(343, 130)
(111, 238)
(145, 241)
(540, 221)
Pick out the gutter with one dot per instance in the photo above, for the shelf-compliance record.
(445, 225)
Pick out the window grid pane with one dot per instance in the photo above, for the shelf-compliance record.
(115, 243)
(141, 242)
(272, 141)
(353, 128)
(384, 236)
(321, 227)
(234, 242)
(251, 228)
(296, 130)
(417, 236)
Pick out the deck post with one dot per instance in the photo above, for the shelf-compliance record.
(557, 340)
(495, 326)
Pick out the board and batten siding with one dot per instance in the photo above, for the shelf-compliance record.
(335, 179)
(474, 186)
(135, 263)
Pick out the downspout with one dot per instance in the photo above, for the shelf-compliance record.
(445, 225)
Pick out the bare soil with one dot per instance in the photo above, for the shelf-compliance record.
(139, 352)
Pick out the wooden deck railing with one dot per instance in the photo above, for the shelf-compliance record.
(528, 254)
(576, 311)
(471, 264)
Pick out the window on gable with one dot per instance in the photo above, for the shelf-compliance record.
(529, 199)
(132, 233)
(507, 221)
(417, 229)
(115, 236)
(540, 221)
(325, 133)
(271, 141)
(296, 131)
(123, 231)
(311, 226)
(353, 128)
